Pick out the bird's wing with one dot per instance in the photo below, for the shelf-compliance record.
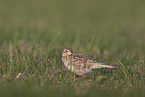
(89, 62)
(80, 57)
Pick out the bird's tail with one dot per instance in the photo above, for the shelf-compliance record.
(101, 66)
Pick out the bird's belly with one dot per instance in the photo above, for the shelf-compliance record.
(71, 67)
(78, 69)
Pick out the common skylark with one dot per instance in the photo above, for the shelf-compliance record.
(79, 63)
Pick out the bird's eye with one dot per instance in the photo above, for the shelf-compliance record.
(64, 50)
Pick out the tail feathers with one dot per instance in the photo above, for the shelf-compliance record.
(101, 66)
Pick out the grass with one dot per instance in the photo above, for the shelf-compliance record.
(33, 34)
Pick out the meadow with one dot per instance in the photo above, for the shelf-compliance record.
(33, 34)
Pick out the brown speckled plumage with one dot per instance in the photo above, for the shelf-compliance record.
(79, 63)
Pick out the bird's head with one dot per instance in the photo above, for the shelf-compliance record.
(67, 52)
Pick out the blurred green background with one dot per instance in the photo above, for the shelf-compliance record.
(34, 31)
(79, 22)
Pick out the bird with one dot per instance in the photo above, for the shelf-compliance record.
(80, 64)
